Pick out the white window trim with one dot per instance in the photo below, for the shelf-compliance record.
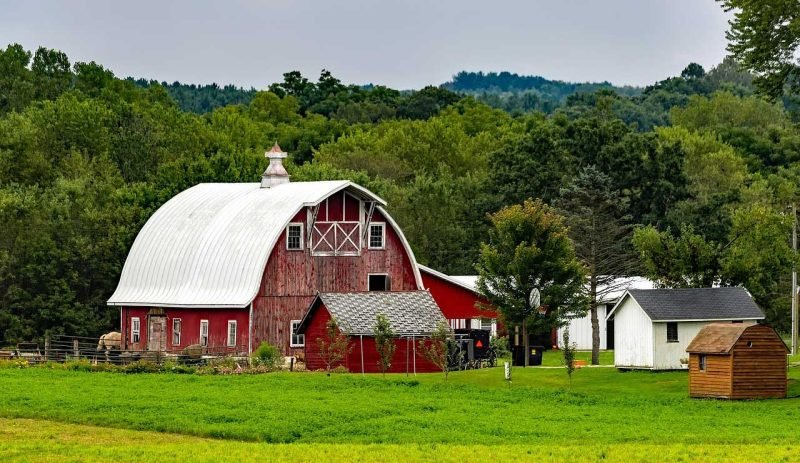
(292, 335)
(235, 334)
(180, 328)
(383, 235)
(677, 332)
(302, 243)
(136, 332)
(388, 281)
(208, 328)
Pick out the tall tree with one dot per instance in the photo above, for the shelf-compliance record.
(600, 227)
(764, 37)
(529, 248)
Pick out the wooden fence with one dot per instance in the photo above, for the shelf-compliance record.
(64, 348)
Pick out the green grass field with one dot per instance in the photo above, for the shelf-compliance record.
(56, 415)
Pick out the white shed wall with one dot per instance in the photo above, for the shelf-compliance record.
(668, 355)
(633, 336)
(580, 330)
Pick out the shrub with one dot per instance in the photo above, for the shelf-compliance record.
(500, 346)
(142, 366)
(268, 356)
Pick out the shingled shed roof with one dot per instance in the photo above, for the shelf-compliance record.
(409, 312)
(716, 338)
(719, 338)
(685, 304)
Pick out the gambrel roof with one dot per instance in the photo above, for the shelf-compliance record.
(694, 304)
(208, 246)
(409, 312)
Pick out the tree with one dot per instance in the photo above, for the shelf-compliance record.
(334, 347)
(529, 248)
(693, 71)
(384, 342)
(437, 348)
(686, 260)
(601, 230)
(568, 354)
(764, 38)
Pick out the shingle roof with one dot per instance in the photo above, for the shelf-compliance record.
(409, 312)
(719, 338)
(730, 303)
(716, 338)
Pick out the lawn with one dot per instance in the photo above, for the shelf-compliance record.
(624, 416)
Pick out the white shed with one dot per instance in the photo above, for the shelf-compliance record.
(653, 327)
(580, 329)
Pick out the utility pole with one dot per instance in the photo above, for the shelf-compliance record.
(794, 280)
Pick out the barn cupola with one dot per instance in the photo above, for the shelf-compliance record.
(275, 174)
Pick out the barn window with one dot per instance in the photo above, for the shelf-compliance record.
(457, 323)
(203, 332)
(294, 236)
(378, 282)
(231, 333)
(672, 331)
(377, 235)
(298, 340)
(135, 329)
(702, 362)
(176, 331)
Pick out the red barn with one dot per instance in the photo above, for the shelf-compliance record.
(413, 315)
(461, 303)
(229, 265)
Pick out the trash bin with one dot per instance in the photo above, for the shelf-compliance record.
(535, 356)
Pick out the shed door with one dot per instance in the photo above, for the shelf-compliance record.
(157, 334)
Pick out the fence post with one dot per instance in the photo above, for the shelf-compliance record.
(75, 350)
(47, 347)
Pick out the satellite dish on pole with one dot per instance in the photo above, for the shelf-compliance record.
(535, 299)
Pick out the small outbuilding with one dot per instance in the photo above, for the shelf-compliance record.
(737, 362)
(413, 316)
(653, 327)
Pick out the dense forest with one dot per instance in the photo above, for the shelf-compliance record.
(698, 169)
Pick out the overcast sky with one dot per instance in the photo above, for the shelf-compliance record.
(402, 44)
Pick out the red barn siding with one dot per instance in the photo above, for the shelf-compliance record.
(190, 326)
(292, 278)
(406, 356)
(454, 300)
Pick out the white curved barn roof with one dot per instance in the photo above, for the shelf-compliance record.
(208, 246)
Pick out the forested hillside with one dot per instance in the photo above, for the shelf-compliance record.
(700, 168)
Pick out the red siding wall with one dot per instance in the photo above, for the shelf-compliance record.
(190, 326)
(292, 278)
(406, 356)
(454, 300)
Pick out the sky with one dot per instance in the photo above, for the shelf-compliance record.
(402, 44)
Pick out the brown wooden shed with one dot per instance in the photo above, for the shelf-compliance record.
(736, 361)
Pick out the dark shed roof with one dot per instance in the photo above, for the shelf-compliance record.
(677, 304)
(409, 312)
(719, 338)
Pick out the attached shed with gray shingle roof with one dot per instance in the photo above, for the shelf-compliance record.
(409, 312)
(653, 327)
(413, 315)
